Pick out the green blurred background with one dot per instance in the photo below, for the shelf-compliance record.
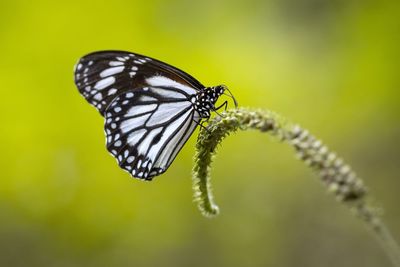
(332, 66)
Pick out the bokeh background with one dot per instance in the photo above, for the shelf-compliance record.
(332, 66)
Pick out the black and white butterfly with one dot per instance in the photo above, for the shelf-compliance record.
(150, 108)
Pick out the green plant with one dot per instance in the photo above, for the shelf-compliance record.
(332, 170)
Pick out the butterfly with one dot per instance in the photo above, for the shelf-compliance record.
(150, 108)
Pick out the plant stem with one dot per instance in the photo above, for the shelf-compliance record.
(333, 172)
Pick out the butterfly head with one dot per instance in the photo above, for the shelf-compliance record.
(204, 101)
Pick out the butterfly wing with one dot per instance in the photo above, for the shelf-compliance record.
(101, 76)
(147, 127)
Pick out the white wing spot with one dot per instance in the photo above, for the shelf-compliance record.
(129, 95)
(132, 73)
(87, 88)
(112, 91)
(145, 163)
(117, 109)
(98, 96)
(164, 81)
(118, 143)
(79, 66)
(115, 63)
(130, 159)
(104, 83)
(168, 93)
(139, 109)
(147, 98)
(111, 71)
(113, 125)
(134, 68)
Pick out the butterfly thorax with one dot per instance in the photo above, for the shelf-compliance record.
(204, 100)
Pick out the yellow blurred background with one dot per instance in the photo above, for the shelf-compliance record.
(331, 66)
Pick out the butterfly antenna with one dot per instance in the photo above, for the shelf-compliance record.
(231, 96)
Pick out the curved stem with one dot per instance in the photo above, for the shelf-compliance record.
(333, 172)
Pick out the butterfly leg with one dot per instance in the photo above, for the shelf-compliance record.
(201, 124)
(223, 105)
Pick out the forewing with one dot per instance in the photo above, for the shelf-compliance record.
(147, 127)
(102, 76)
